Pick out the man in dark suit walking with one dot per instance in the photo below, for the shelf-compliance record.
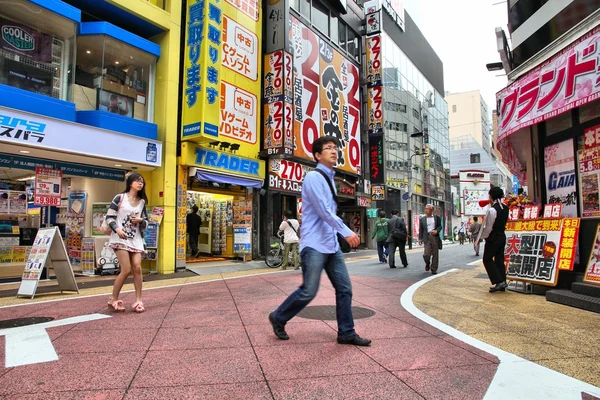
(397, 234)
(430, 227)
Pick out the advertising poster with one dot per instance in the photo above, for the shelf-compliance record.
(25, 42)
(6, 255)
(17, 202)
(75, 227)
(471, 199)
(180, 244)
(592, 272)
(326, 98)
(151, 236)
(559, 160)
(374, 62)
(377, 192)
(416, 226)
(286, 175)
(376, 159)
(20, 253)
(277, 99)
(537, 250)
(242, 227)
(222, 61)
(156, 215)
(4, 203)
(588, 157)
(47, 186)
(99, 211)
(38, 254)
(87, 256)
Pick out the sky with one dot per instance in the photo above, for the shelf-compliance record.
(462, 33)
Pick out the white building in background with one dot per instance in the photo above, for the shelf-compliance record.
(469, 119)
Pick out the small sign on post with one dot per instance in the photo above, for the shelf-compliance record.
(48, 251)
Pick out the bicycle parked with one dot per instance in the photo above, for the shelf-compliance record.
(274, 258)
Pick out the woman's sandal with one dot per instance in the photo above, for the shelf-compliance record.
(116, 305)
(138, 307)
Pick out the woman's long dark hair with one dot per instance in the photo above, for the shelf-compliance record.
(132, 177)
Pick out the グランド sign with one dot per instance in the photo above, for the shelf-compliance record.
(537, 250)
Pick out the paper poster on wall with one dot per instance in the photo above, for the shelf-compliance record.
(75, 227)
(592, 271)
(99, 211)
(559, 160)
(588, 157)
(151, 236)
(242, 227)
(88, 264)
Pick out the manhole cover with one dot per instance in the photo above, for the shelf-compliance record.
(328, 313)
(13, 323)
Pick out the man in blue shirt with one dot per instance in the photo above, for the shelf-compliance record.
(319, 249)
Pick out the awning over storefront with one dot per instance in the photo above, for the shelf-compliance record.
(565, 81)
(232, 180)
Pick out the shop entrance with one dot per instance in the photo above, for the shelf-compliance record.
(219, 209)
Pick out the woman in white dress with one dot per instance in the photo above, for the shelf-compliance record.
(127, 219)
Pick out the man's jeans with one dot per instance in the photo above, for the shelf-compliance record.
(382, 250)
(313, 264)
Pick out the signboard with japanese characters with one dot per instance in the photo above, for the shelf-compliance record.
(531, 212)
(362, 201)
(222, 61)
(377, 192)
(326, 98)
(374, 61)
(565, 81)
(373, 22)
(537, 250)
(559, 160)
(514, 214)
(376, 161)
(553, 211)
(588, 157)
(592, 272)
(278, 106)
(286, 175)
(47, 186)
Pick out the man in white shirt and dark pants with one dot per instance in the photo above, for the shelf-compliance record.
(429, 234)
(290, 228)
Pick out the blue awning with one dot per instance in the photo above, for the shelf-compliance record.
(204, 175)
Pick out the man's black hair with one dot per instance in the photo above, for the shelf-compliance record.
(288, 214)
(496, 193)
(382, 214)
(195, 208)
(395, 212)
(474, 219)
(317, 146)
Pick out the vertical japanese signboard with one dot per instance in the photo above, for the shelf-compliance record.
(221, 82)
(278, 106)
(76, 224)
(377, 166)
(537, 250)
(326, 98)
(47, 186)
(374, 85)
(588, 157)
(560, 176)
(180, 242)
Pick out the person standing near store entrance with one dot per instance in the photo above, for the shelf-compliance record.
(494, 225)
(291, 238)
(397, 239)
(474, 231)
(319, 248)
(193, 222)
(462, 231)
(430, 227)
(380, 234)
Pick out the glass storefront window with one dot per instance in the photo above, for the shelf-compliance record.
(37, 50)
(113, 76)
(320, 17)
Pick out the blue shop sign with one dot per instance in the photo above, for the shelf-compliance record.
(29, 163)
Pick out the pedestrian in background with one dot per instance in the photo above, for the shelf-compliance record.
(127, 219)
(291, 238)
(319, 248)
(380, 233)
(461, 233)
(494, 225)
(192, 223)
(397, 239)
(430, 227)
(474, 231)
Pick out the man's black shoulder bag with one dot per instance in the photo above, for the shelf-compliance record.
(344, 245)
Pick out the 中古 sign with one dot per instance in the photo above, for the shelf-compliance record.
(537, 250)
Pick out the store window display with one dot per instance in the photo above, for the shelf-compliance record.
(36, 49)
(113, 76)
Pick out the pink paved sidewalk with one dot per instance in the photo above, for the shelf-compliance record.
(213, 341)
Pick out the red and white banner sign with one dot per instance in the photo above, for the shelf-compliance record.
(286, 175)
(569, 79)
(47, 186)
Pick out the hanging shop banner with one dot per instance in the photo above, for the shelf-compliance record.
(277, 16)
(416, 226)
(559, 161)
(377, 192)
(75, 227)
(286, 175)
(99, 211)
(88, 259)
(180, 243)
(223, 162)
(277, 99)
(537, 250)
(25, 42)
(565, 81)
(375, 110)
(588, 157)
(592, 272)
(242, 227)
(47, 186)
(376, 162)
(221, 74)
(326, 98)
(373, 23)
(374, 61)
(362, 201)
